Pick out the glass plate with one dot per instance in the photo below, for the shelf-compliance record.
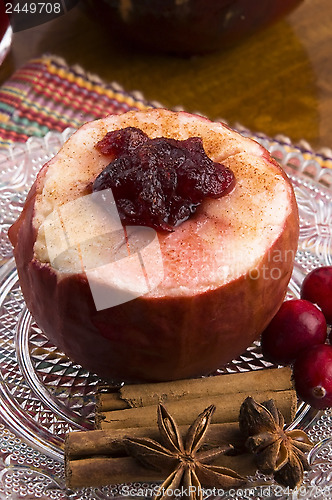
(43, 395)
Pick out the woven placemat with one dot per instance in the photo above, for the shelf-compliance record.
(48, 95)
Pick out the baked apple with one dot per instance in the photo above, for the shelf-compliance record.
(210, 284)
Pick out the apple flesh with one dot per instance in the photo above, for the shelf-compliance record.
(225, 270)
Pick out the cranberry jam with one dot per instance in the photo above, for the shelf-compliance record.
(159, 182)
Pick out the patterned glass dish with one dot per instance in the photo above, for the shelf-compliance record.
(43, 395)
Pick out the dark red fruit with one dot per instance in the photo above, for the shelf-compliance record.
(317, 287)
(312, 374)
(297, 325)
(159, 182)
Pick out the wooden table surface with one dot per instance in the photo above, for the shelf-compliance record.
(278, 81)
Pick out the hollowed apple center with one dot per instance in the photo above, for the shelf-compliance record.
(159, 182)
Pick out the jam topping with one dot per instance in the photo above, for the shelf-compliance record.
(159, 182)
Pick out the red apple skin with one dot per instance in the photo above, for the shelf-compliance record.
(189, 27)
(150, 338)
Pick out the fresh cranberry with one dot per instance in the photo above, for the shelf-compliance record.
(317, 287)
(159, 182)
(298, 324)
(312, 373)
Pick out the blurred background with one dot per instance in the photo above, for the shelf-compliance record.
(276, 80)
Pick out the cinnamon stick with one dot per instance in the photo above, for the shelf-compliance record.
(85, 444)
(133, 396)
(227, 410)
(102, 471)
(98, 458)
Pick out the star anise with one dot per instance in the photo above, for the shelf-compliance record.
(187, 467)
(278, 451)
